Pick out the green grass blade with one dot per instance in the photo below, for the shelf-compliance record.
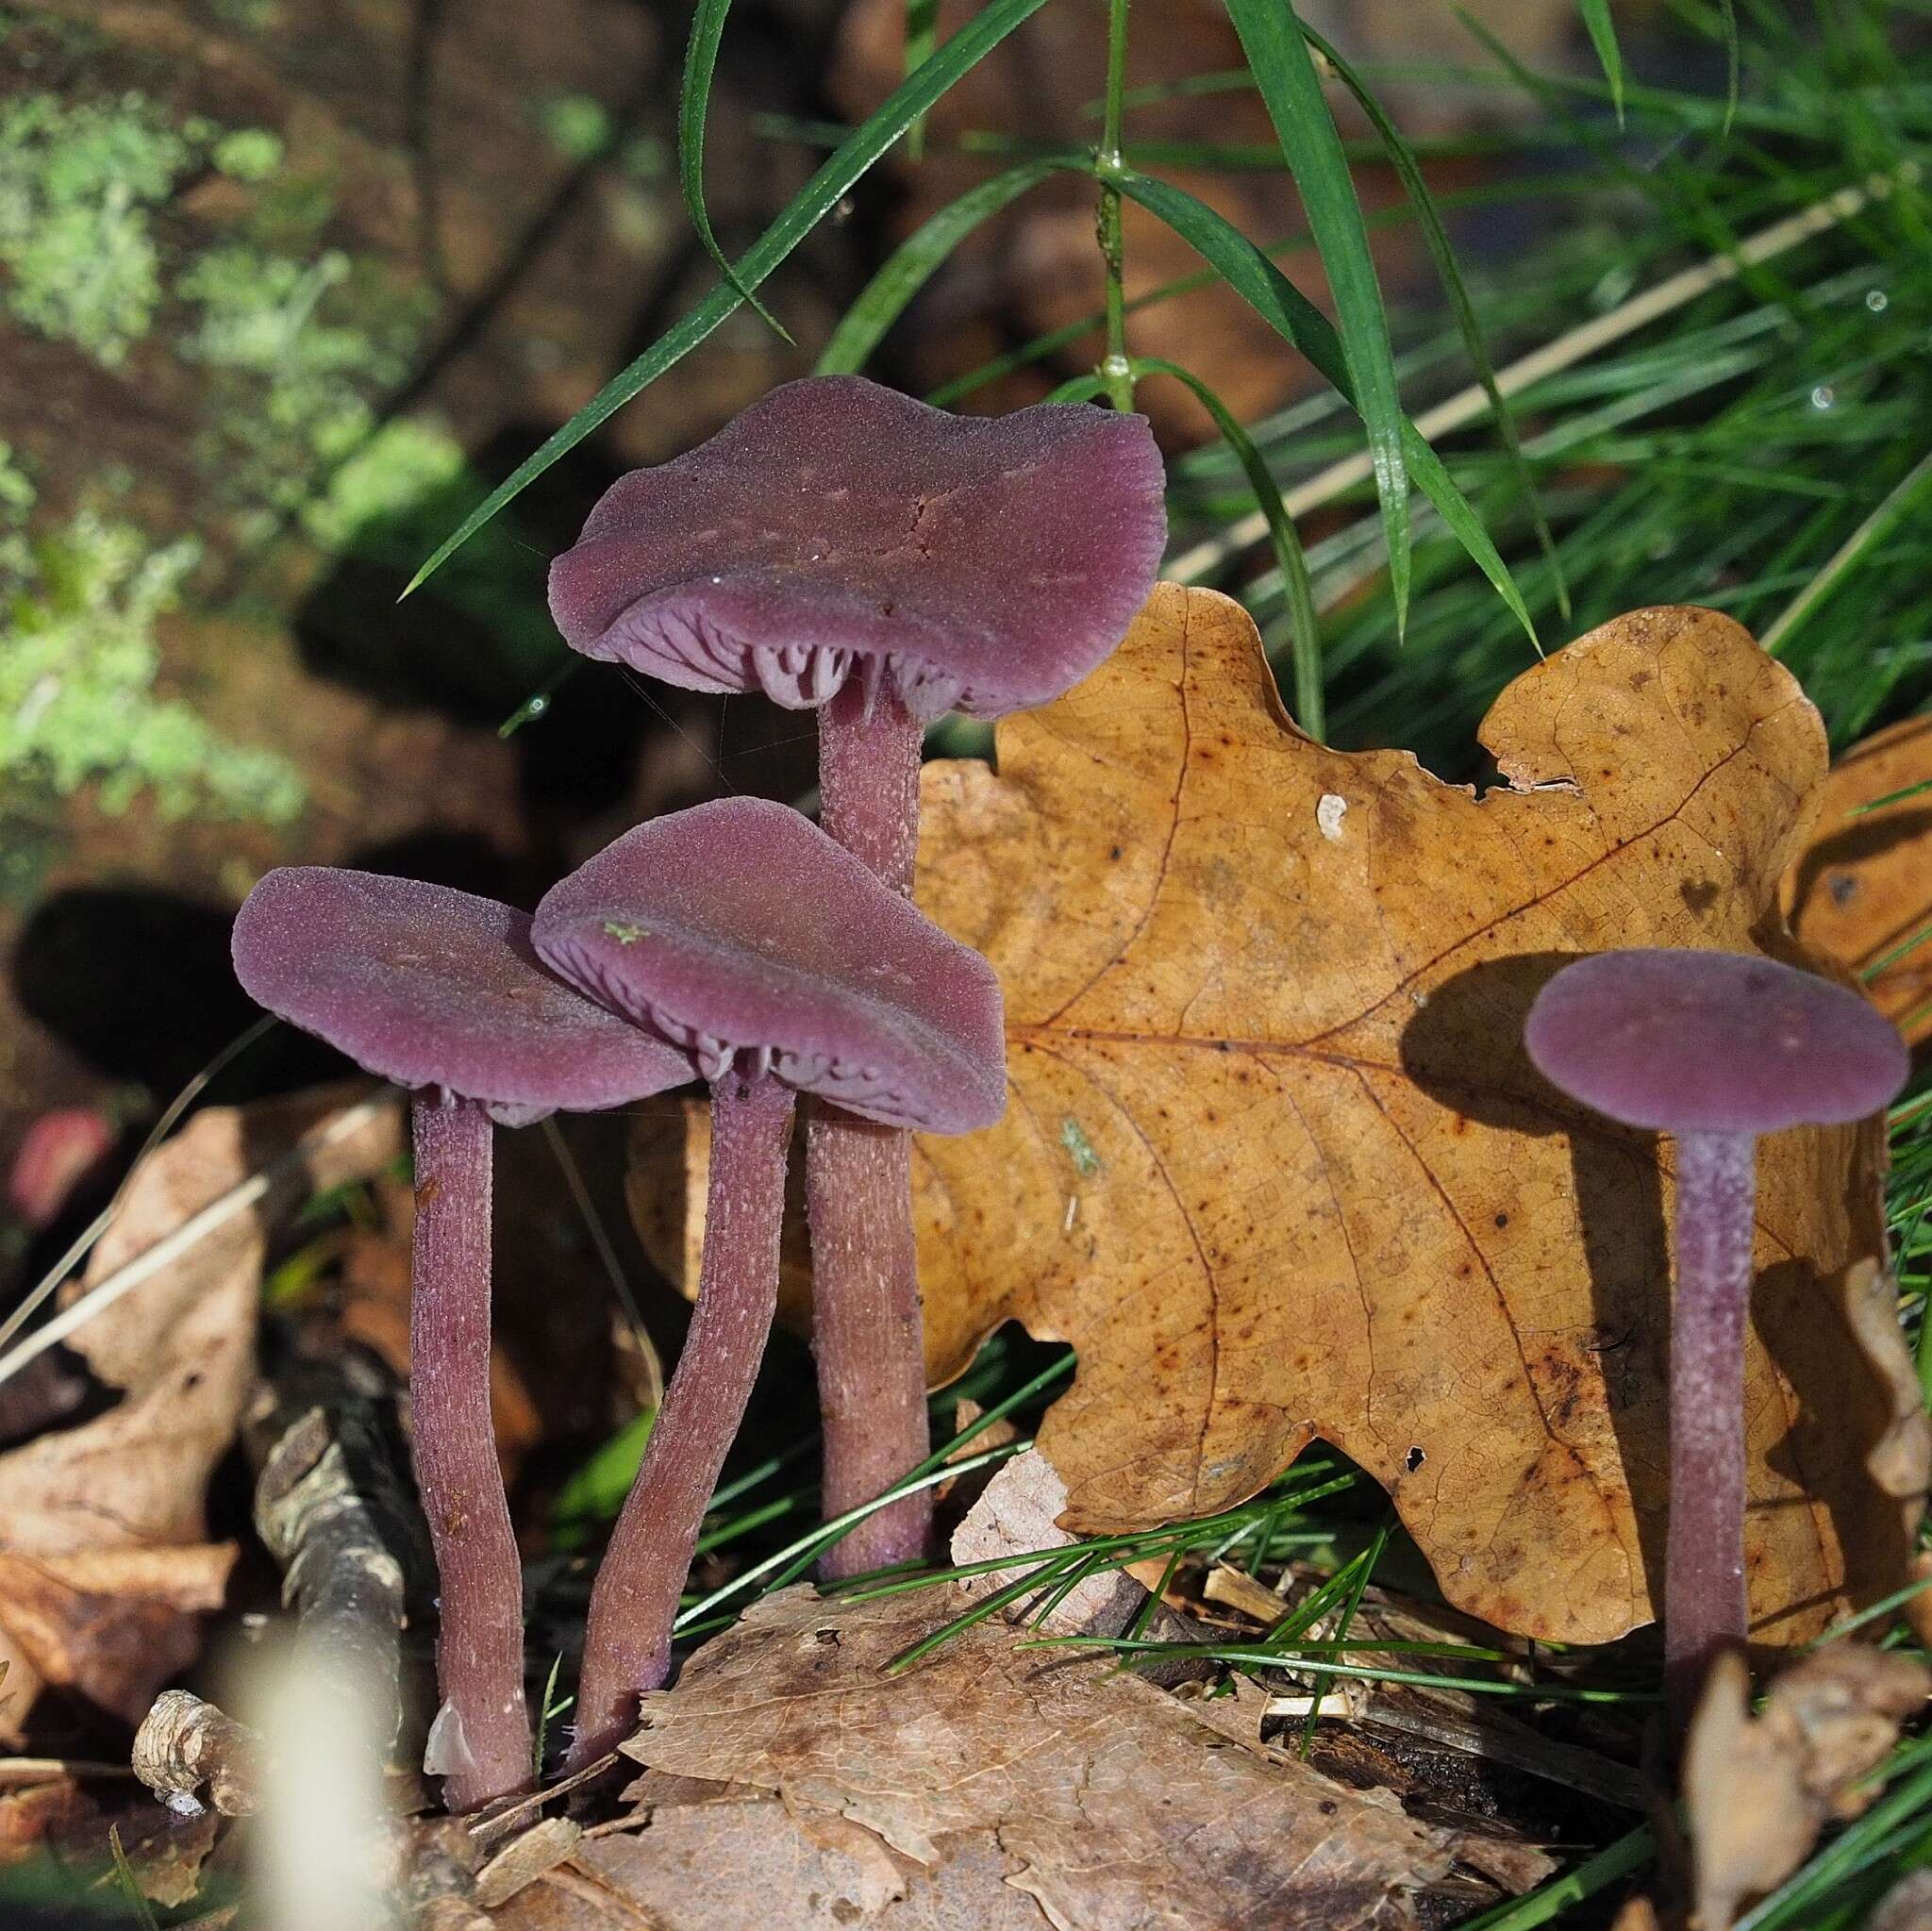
(912, 264)
(1270, 36)
(694, 101)
(1856, 549)
(1602, 37)
(1734, 62)
(806, 209)
(1550, 1902)
(1403, 159)
(922, 31)
(1305, 630)
(1299, 323)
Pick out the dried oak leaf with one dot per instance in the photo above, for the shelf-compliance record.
(1862, 886)
(105, 1566)
(1275, 1162)
(1116, 1804)
(1758, 1789)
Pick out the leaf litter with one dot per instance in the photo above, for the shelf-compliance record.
(1028, 1788)
(105, 1569)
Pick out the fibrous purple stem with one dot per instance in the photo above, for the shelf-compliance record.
(1705, 1607)
(479, 1650)
(868, 1328)
(628, 1637)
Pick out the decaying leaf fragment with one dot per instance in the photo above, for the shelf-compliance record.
(1275, 1159)
(1097, 1794)
(1757, 1791)
(105, 1566)
(1862, 886)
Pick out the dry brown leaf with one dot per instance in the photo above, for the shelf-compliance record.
(1900, 1461)
(1275, 1162)
(719, 1857)
(1906, 1907)
(1757, 1791)
(105, 1569)
(1120, 1804)
(666, 1179)
(1018, 1514)
(1862, 886)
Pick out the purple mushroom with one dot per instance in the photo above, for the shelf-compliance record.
(742, 933)
(442, 993)
(845, 548)
(1714, 1049)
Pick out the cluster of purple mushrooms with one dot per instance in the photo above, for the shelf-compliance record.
(850, 551)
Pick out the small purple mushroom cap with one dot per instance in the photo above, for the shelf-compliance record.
(1683, 1042)
(836, 527)
(435, 987)
(741, 927)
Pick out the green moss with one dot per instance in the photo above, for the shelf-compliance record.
(76, 182)
(299, 374)
(77, 705)
(577, 126)
(249, 154)
(480, 634)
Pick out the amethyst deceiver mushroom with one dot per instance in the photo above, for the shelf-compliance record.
(742, 933)
(1714, 1049)
(442, 993)
(847, 549)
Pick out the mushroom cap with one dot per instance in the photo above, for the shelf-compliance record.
(430, 986)
(1712, 1043)
(984, 564)
(741, 927)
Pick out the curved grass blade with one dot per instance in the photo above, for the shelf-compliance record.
(1077, 389)
(694, 101)
(1306, 637)
(1403, 159)
(1609, 57)
(1299, 323)
(802, 213)
(1284, 69)
(912, 264)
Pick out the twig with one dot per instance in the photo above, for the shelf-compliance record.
(1468, 404)
(340, 1519)
(42, 1770)
(184, 1743)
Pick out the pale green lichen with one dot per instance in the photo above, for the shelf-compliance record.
(1079, 1148)
(76, 182)
(407, 463)
(300, 379)
(77, 703)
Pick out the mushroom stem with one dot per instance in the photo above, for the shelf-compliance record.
(479, 1649)
(1704, 1605)
(868, 1331)
(868, 1336)
(869, 777)
(628, 1639)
